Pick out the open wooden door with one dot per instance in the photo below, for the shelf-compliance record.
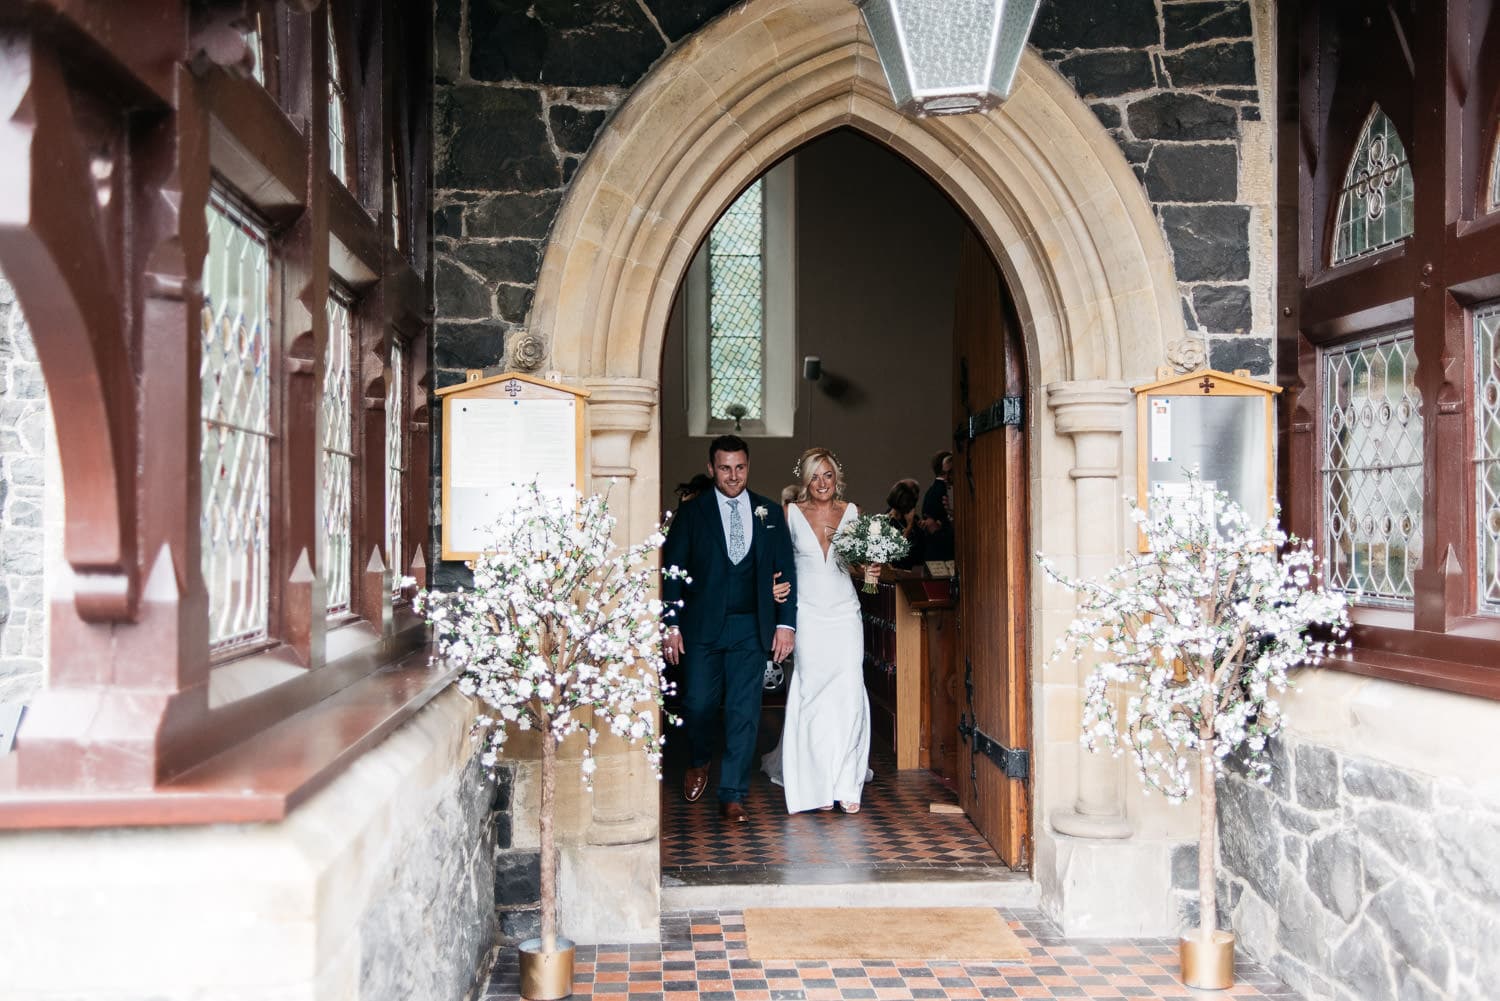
(989, 489)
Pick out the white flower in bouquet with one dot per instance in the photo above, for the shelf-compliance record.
(872, 541)
(1199, 633)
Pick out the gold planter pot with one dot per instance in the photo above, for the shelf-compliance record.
(546, 976)
(1207, 965)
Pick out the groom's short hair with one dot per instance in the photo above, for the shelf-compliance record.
(727, 443)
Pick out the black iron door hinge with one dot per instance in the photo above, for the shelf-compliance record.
(1015, 762)
(1004, 412)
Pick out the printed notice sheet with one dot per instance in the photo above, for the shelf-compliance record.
(498, 448)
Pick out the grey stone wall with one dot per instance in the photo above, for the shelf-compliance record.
(23, 434)
(430, 932)
(1354, 880)
(523, 88)
(518, 869)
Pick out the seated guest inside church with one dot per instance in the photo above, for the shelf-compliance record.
(901, 510)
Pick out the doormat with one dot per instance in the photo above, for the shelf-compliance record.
(969, 933)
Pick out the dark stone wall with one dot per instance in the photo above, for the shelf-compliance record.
(523, 86)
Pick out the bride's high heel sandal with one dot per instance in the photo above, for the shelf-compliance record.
(848, 807)
(825, 809)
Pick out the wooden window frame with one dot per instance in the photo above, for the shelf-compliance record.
(1430, 281)
(157, 748)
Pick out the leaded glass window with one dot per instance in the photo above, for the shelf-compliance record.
(1372, 467)
(736, 310)
(338, 156)
(1487, 450)
(1375, 203)
(234, 372)
(395, 461)
(338, 457)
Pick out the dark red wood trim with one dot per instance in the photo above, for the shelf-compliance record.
(59, 255)
(1423, 672)
(261, 779)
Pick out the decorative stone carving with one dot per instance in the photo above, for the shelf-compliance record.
(526, 352)
(1188, 354)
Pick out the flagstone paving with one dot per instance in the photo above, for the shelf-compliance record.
(702, 954)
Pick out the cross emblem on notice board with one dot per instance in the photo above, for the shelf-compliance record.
(513, 388)
(1207, 385)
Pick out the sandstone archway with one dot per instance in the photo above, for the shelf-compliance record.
(1042, 183)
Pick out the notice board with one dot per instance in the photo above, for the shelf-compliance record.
(501, 434)
(1220, 424)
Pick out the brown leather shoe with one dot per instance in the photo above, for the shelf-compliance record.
(734, 812)
(694, 782)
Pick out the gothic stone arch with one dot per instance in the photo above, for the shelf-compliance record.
(1062, 213)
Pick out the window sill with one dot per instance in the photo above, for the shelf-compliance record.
(1386, 644)
(262, 778)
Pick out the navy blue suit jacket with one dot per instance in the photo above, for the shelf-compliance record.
(695, 543)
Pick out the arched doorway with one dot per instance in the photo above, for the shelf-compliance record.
(845, 253)
(1055, 205)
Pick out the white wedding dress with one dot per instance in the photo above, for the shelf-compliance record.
(824, 753)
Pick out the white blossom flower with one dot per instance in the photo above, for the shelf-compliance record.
(561, 631)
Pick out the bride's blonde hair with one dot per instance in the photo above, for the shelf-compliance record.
(808, 465)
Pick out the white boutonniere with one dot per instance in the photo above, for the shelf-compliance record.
(760, 512)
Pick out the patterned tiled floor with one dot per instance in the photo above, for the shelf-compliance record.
(702, 955)
(894, 829)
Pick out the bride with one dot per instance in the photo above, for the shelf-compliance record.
(823, 757)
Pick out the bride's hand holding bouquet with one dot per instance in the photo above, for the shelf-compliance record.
(868, 543)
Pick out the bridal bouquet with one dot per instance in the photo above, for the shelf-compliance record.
(872, 541)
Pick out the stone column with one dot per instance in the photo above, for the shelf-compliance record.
(610, 869)
(1093, 412)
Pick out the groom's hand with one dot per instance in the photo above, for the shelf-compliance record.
(781, 645)
(671, 647)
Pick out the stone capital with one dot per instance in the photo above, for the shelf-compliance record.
(621, 404)
(619, 409)
(1089, 406)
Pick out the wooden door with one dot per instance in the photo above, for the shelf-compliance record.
(989, 489)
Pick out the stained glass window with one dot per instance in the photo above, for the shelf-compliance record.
(1487, 450)
(736, 310)
(1372, 467)
(395, 461)
(1375, 204)
(234, 373)
(338, 458)
(338, 156)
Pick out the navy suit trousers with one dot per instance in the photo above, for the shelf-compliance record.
(725, 674)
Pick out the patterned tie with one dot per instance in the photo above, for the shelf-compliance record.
(736, 533)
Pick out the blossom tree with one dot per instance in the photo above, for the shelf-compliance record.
(561, 633)
(1200, 632)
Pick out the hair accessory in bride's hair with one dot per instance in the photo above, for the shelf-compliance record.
(821, 453)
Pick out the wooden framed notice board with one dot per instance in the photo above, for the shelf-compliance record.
(1221, 423)
(501, 433)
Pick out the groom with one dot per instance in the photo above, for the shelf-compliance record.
(732, 544)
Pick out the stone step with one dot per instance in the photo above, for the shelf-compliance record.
(810, 887)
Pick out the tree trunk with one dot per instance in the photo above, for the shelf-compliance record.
(1208, 826)
(548, 847)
